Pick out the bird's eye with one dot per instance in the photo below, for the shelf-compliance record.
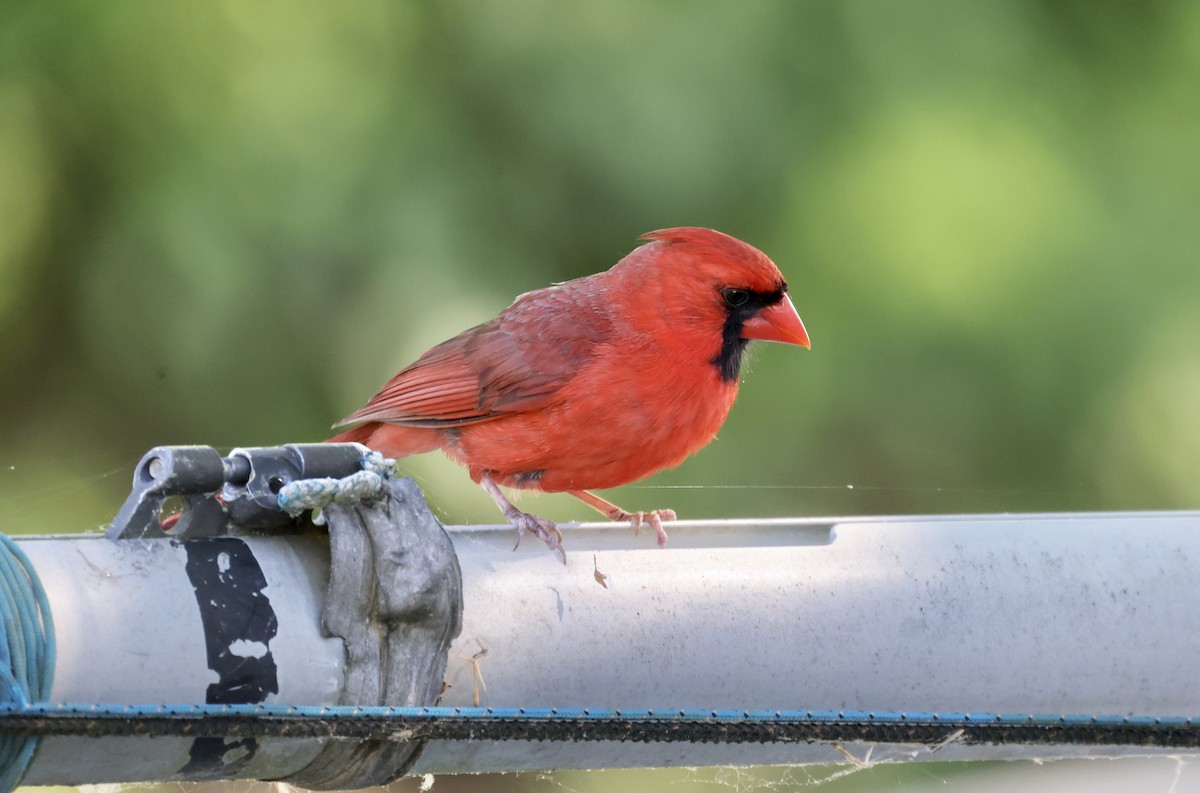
(735, 298)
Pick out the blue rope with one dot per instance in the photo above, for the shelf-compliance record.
(450, 723)
(27, 653)
(486, 714)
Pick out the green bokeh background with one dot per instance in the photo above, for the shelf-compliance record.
(229, 222)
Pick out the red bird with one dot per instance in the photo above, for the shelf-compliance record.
(594, 382)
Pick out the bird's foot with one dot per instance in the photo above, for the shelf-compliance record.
(636, 519)
(545, 530)
(654, 517)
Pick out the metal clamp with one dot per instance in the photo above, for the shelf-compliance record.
(218, 495)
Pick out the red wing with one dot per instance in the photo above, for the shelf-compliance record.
(514, 363)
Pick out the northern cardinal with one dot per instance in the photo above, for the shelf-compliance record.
(594, 382)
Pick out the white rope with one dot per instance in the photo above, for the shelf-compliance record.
(365, 485)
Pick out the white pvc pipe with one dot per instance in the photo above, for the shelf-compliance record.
(1090, 614)
(129, 632)
(1083, 613)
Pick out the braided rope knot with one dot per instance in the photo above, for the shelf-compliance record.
(365, 485)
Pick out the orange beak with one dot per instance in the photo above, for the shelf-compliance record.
(779, 322)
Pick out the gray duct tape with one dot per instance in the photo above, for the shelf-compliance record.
(395, 598)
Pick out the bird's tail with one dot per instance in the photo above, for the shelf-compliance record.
(391, 440)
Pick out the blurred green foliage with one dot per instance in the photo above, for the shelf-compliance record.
(229, 222)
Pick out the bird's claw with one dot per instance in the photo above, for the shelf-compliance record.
(546, 530)
(655, 518)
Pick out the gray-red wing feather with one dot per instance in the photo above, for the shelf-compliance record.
(517, 362)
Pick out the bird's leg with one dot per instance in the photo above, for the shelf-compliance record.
(523, 521)
(636, 519)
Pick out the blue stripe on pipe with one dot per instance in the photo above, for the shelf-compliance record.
(949, 719)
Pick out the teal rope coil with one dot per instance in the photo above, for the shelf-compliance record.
(27, 653)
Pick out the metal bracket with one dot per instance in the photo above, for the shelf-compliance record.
(395, 587)
(217, 494)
